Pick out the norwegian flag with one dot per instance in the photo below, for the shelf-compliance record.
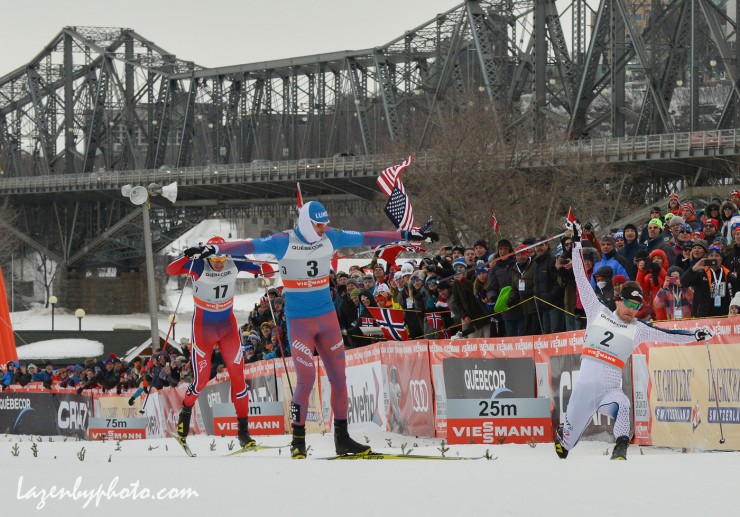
(389, 252)
(389, 177)
(436, 321)
(398, 208)
(494, 223)
(367, 322)
(391, 323)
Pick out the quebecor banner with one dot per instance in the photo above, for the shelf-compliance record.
(46, 414)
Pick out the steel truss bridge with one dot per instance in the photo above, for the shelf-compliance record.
(98, 106)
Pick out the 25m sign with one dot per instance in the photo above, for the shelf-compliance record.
(498, 421)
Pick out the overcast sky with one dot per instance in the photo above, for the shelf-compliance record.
(219, 32)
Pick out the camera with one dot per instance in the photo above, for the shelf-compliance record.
(672, 279)
(711, 262)
(588, 227)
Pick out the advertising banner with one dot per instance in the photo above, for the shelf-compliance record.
(264, 418)
(558, 358)
(677, 384)
(45, 414)
(366, 390)
(262, 382)
(287, 382)
(494, 421)
(494, 368)
(154, 416)
(410, 402)
(117, 428)
(213, 393)
(111, 405)
(170, 405)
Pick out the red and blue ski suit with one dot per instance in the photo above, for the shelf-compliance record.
(214, 323)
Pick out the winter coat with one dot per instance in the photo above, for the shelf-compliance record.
(617, 266)
(651, 280)
(702, 282)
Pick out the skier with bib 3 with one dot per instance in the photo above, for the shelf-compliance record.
(304, 254)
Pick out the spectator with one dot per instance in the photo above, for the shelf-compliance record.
(619, 240)
(566, 280)
(610, 257)
(714, 285)
(604, 288)
(710, 229)
(464, 305)
(383, 296)
(522, 318)
(728, 210)
(368, 283)
(617, 282)
(687, 212)
(673, 300)
(674, 205)
(7, 378)
(22, 376)
(654, 214)
(651, 276)
(657, 240)
(631, 247)
(735, 305)
(547, 289)
(480, 248)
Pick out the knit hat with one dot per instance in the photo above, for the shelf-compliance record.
(721, 239)
(354, 292)
(407, 269)
(685, 228)
(702, 243)
(619, 235)
(382, 289)
(669, 216)
(459, 262)
(604, 272)
(444, 284)
(655, 222)
(676, 219)
(520, 248)
(674, 269)
(634, 293)
(481, 269)
(735, 302)
(630, 226)
(735, 193)
(689, 206)
(713, 222)
(480, 242)
(619, 279)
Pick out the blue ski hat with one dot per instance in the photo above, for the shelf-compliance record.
(317, 213)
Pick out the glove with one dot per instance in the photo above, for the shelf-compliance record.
(416, 235)
(201, 251)
(131, 401)
(575, 229)
(79, 390)
(703, 333)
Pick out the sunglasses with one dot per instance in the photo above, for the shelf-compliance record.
(217, 259)
(685, 231)
(632, 305)
(416, 279)
(320, 225)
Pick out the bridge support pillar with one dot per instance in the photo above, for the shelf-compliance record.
(124, 294)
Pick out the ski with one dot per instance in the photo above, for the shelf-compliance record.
(183, 444)
(256, 448)
(389, 456)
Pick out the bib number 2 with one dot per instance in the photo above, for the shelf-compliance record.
(608, 336)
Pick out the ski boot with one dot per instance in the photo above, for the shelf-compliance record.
(298, 444)
(620, 449)
(242, 433)
(183, 422)
(561, 451)
(346, 445)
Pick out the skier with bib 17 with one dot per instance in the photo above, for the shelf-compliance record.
(611, 337)
(304, 254)
(214, 323)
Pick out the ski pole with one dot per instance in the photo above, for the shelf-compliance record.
(716, 395)
(282, 352)
(172, 323)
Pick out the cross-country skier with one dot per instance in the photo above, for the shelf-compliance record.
(611, 337)
(304, 256)
(214, 323)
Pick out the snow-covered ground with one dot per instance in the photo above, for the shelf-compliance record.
(519, 480)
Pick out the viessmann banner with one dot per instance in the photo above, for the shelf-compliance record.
(481, 369)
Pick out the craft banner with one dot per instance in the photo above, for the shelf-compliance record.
(410, 403)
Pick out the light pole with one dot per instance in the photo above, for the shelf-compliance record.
(79, 314)
(140, 196)
(53, 301)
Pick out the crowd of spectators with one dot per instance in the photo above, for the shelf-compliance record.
(165, 368)
(686, 258)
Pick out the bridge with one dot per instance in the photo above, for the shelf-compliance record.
(100, 107)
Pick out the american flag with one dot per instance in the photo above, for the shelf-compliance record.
(494, 223)
(391, 323)
(389, 252)
(389, 177)
(398, 208)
